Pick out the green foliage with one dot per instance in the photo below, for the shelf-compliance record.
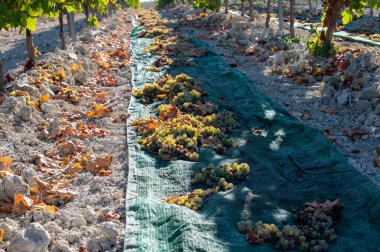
(213, 5)
(357, 7)
(93, 22)
(318, 46)
(133, 3)
(24, 14)
(289, 41)
(160, 4)
(321, 48)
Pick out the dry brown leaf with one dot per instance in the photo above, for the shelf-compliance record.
(22, 204)
(121, 118)
(206, 108)
(377, 162)
(355, 134)
(95, 165)
(68, 148)
(252, 237)
(82, 248)
(99, 111)
(170, 112)
(6, 208)
(327, 133)
(5, 163)
(211, 143)
(333, 111)
(331, 208)
(111, 215)
(44, 162)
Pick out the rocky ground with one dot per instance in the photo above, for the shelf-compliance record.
(63, 155)
(339, 96)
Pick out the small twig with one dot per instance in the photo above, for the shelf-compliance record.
(352, 107)
(67, 166)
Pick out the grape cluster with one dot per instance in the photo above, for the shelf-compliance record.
(195, 199)
(175, 45)
(166, 88)
(315, 229)
(184, 125)
(225, 121)
(176, 135)
(153, 69)
(155, 31)
(318, 228)
(221, 176)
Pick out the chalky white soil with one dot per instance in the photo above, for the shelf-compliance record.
(94, 219)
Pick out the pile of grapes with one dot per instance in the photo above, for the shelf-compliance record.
(184, 123)
(315, 229)
(168, 42)
(175, 44)
(167, 87)
(221, 176)
(174, 135)
(216, 179)
(181, 91)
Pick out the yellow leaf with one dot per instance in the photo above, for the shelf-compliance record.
(5, 173)
(44, 98)
(1, 234)
(35, 51)
(76, 67)
(34, 191)
(51, 209)
(161, 96)
(99, 111)
(78, 166)
(7, 161)
(104, 172)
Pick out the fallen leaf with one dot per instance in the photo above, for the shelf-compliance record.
(68, 148)
(102, 97)
(258, 132)
(377, 162)
(43, 162)
(252, 237)
(331, 208)
(327, 133)
(378, 150)
(121, 118)
(206, 108)
(44, 98)
(111, 215)
(82, 248)
(22, 204)
(300, 80)
(355, 134)
(333, 111)
(99, 111)
(169, 113)
(1, 235)
(95, 165)
(5, 163)
(211, 143)
(3, 97)
(6, 208)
